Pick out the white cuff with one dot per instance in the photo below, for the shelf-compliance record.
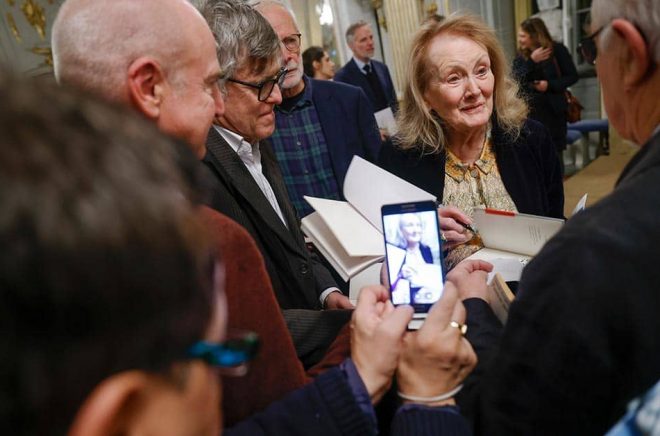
(325, 294)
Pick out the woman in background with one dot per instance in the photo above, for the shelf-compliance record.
(317, 64)
(463, 132)
(544, 68)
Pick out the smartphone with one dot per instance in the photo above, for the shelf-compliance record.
(413, 256)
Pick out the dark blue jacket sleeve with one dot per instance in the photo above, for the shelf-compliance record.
(324, 407)
(327, 407)
(417, 420)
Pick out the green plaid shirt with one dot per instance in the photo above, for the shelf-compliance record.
(301, 150)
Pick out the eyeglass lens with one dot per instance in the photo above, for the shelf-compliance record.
(292, 42)
(266, 89)
(268, 85)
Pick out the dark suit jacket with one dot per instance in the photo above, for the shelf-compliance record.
(581, 338)
(298, 278)
(529, 168)
(348, 124)
(351, 74)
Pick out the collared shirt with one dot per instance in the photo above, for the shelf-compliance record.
(302, 152)
(470, 186)
(251, 157)
(361, 65)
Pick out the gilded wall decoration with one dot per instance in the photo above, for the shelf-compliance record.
(45, 52)
(13, 28)
(24, 17)
(35, 15)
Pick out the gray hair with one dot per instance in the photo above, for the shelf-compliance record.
(244, 37)
(645, 14)
(260, 4)
(350, 32)
(94, 42)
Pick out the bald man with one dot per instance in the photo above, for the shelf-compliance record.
(157, 56)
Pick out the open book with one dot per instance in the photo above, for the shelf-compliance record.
(510, 239)
(349, 233)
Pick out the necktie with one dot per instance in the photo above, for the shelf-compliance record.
(377, 88)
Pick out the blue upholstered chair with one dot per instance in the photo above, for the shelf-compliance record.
(597, 125)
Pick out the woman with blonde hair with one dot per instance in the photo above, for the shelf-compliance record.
(544, 68)
(463, 132)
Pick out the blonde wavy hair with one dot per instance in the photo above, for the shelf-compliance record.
(417, 125)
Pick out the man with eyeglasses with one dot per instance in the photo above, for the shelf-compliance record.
(247, 182)
(581, 339)
(320, 125)
(366, 72)
(170, 78)
(114, 319)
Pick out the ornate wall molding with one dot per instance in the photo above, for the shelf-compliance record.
(25, 35)
(403, 19)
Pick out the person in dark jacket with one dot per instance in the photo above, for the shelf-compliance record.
(156, 372)
(544, 68)
(463, 133)
(114, 317)
(580, 341)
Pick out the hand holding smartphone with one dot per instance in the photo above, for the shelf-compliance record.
(413, 256)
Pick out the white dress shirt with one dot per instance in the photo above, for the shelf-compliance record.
(251, 157)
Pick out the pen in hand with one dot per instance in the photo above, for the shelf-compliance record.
(467, 226)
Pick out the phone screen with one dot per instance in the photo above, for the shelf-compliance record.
(413, 254)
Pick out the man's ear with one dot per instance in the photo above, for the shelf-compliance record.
(106, 409)
(146, 83)
(316, 65)
(636, 62)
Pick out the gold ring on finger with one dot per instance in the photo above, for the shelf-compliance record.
(461, 327)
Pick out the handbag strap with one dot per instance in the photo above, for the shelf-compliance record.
(554, 60)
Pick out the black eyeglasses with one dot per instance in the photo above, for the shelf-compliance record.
(231, 356)
(292, 42)
(588, 47)
(265, 87)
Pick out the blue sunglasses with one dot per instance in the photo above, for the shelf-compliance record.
(233, 354)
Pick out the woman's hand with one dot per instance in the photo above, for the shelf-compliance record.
(408, 271)
(541, 54)
(469, 277)
(540, 85)
(454, 233)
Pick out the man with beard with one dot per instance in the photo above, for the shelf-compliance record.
(320, 125)
(364, 71)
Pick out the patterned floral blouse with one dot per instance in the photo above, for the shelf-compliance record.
(470, 186)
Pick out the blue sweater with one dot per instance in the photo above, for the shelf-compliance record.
(328, 407)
